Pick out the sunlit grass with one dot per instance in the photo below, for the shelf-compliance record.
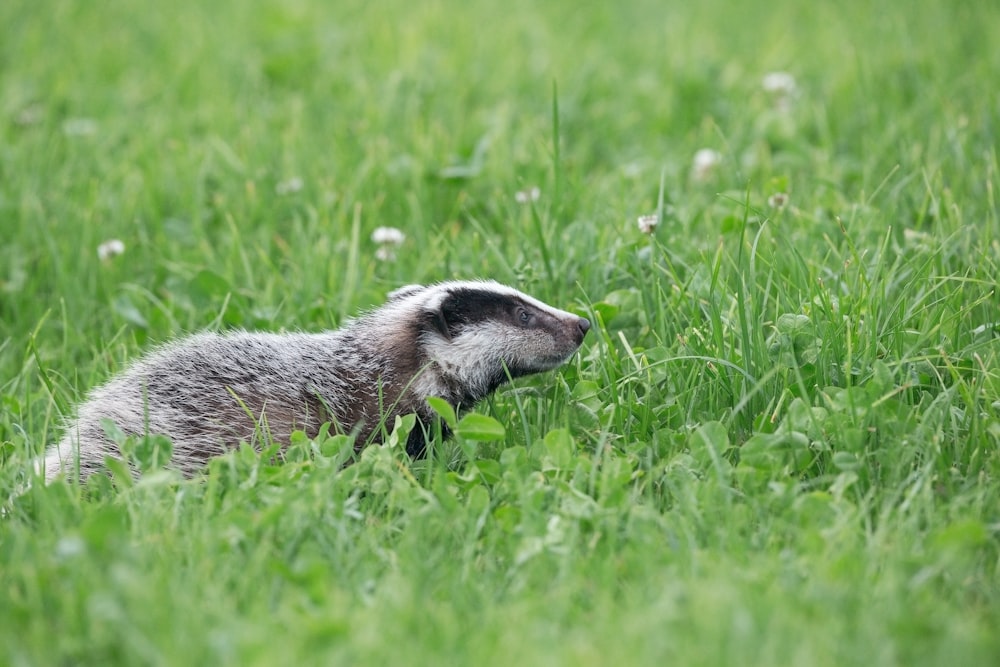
(778, 445)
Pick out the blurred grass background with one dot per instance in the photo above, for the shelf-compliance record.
(779, 446)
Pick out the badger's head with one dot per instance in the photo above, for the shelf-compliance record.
(478, 333)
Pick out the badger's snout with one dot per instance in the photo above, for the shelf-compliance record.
(565, 334)
(574, 327)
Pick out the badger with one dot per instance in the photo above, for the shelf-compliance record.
(208, 392)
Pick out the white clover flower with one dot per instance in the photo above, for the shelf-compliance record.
(781, 83)
(781, 86)
(648, 223)
(917, 240)
(915, 236)
(109, 249)
(388, 239)
(632, 170)
(704, 163)
(778, 200)
(388, 236)
(289, 186)
(79, 127)
(525, 196)
(69, 547)
(30, 115)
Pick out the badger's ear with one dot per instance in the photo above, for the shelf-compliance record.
(434, 312)
(405, 291)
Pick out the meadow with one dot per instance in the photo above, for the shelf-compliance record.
(779, 444)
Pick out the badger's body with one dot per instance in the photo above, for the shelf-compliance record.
(209, 392)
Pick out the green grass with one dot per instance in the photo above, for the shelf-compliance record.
(779, 445)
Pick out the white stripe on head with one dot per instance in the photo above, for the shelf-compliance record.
(434, 295)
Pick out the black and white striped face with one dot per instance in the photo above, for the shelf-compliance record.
(478, 332)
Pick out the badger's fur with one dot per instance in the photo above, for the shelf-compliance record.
(208, 392)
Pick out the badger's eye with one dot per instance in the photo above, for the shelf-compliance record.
(523, 316)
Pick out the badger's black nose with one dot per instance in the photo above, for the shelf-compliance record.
(584, 325)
